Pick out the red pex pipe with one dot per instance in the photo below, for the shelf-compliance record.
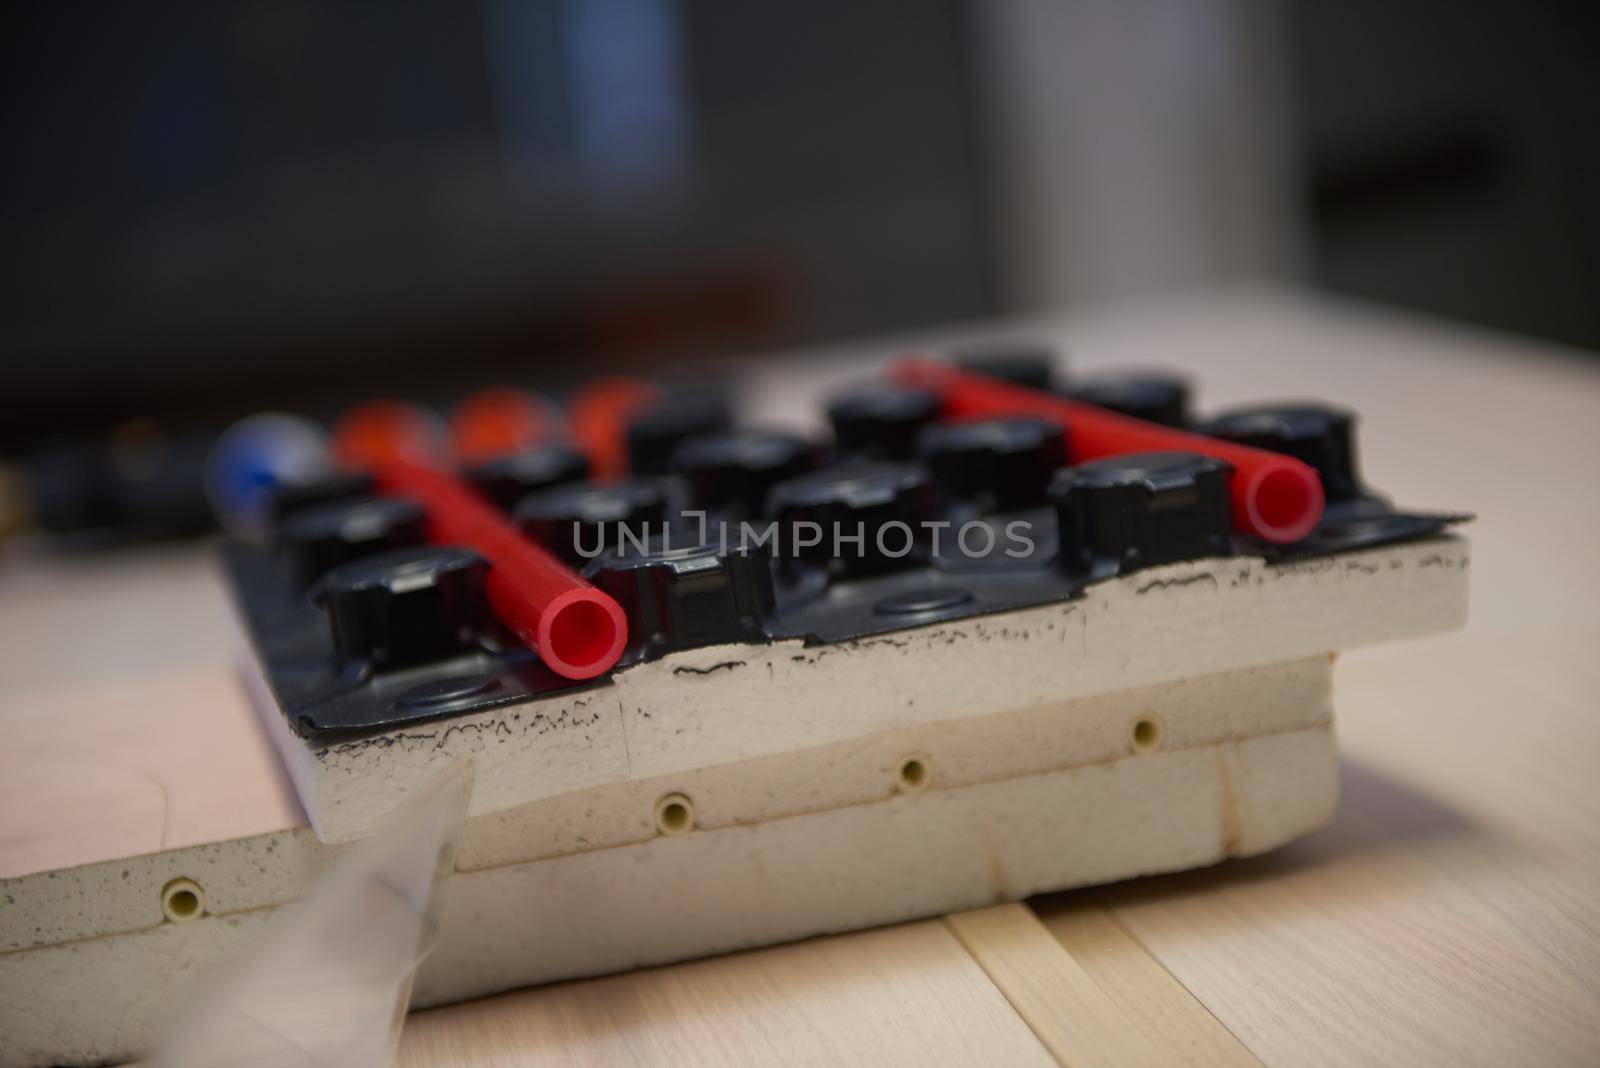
(1275, 498)
(577, 631)
(498, 421)
(599, 414)
(377, 431)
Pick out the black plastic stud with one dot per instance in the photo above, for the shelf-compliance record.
(996, 463)
(1154, 396)
(881, 420)
(505, 480)
(406, 607)
(323, 536)
(1021, 364)
(685, 598)
(735, 470)
(578, 519)
(1314, 434)
(851, 508)
(292, 497)
(1126, 512)
(654, 433)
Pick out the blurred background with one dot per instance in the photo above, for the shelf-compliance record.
(217, 208)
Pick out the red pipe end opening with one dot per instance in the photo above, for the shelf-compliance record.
(581, 634)
(1283, 503)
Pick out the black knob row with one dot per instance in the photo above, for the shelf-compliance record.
(336, 519)
(1155, 396)
(1115, 514)
(400, 607)
(1004, 463)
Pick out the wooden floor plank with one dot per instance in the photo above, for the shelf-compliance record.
(1184, 1028)
(1408, 932)
(1076, 1020)
(907, 995)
